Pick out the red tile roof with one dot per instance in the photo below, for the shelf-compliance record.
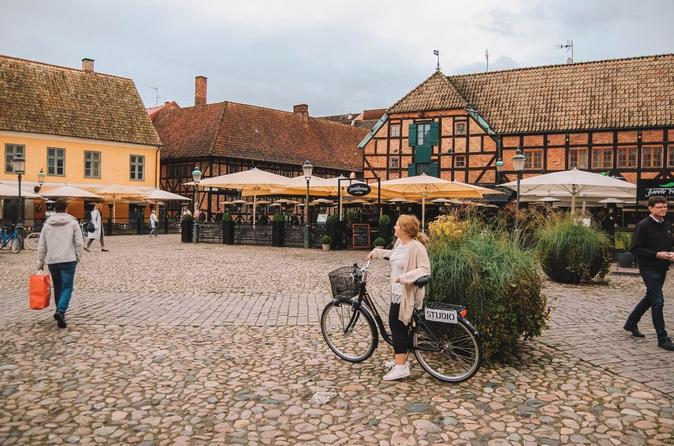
(256, 133)
(434, 93)
(621, 93)
(40, 98)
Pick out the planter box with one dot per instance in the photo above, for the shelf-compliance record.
(559, 272)
(228, 232)
(278, 233)
(626, 259)
(186, 231)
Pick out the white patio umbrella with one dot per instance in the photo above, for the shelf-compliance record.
(575, 184)
(119, 192)
(425, 186)
(70, 192)
(548, 199)
(253, 180)
(162, 195)
(611, 200)
(9, 191)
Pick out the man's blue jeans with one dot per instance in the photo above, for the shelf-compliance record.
(654, 299)
(62, 276)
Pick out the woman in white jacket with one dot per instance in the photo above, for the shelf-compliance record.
(97, 220)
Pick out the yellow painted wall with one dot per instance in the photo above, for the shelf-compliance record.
(114, 164)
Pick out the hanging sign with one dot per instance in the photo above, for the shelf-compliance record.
(358, 189)
(651, 188)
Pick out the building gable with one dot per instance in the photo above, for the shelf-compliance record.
(435, 93)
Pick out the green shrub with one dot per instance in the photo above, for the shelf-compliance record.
(623, 240)
(488, 271)
(379, 241)
(279, 218)
(353, 215)
(186, 217)
(326, 240)
(226, 216)
(384, 219)
(571, 252)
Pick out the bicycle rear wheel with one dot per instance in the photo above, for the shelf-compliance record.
(17, 244)
(449, 352)
(349, 331)
(31, 240)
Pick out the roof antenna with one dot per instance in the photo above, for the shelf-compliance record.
(437, 53)
(568, 46)
(156, 95)
(486, 56)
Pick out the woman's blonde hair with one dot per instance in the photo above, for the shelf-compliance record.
(411, 226)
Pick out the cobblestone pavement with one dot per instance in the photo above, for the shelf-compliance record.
(171, 343)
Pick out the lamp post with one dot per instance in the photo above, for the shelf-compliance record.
(196, 176)
(499, 170)
(518, 165)
(19, 168)
(307, 167)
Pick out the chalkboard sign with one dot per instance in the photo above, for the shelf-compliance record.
(361, 235)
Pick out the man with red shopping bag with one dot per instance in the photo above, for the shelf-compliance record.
(60, 247)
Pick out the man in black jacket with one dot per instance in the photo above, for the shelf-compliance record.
(652, 245)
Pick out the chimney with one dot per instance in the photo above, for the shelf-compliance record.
(302, 110)
(200, 90)
(88, 65)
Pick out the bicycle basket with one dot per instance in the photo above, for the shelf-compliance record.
(343, 283)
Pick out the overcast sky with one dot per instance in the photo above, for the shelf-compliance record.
(337, 56)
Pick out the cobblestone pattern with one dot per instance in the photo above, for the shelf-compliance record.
(110, 384)
(182, 344)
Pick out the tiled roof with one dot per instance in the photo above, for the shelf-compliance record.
(48, 99)
(621, 93)
(435, 93)
(245, 131)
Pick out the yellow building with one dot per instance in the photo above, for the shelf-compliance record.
(78, 127)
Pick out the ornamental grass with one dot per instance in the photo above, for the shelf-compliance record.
(485, 268)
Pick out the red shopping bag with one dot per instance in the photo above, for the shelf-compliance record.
(39, 291)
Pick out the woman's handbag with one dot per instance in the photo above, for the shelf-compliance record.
(91, 227)
(39, 291)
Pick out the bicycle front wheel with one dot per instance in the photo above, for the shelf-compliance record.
(17, 244)
(349, 331)
(449, 352)
(31, 240)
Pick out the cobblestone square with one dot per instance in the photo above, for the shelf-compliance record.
(172, 343)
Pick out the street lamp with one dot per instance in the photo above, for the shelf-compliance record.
(307, 167)
(19, 168)
(518, 165)
(40, 181)
(196, 176)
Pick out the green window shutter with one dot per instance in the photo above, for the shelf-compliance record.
(434, 137)
(411, 171)
(412, 137)
(433, 170)
(422, 154)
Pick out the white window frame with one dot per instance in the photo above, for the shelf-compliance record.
(395, 134)
(96, 162)
(626, 151)
(580, 163)
(456, 161)
(59, 154)
(393, 162)
(533, 159)
(651, 150)
(136, 161)
(11, 151)
(423, 131)
(598, 154)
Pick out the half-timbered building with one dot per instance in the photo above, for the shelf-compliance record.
(613, 116)
(228, 137)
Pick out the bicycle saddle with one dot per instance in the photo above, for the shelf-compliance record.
(422, 281)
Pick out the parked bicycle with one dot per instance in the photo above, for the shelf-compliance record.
(10, 237)
(32, 239)
(444, 342)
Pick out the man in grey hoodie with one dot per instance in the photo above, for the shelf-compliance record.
(60, 247)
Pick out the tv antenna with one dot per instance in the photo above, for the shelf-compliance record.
(437, 53)
(156, 95)
(568, 46)
(486, 56)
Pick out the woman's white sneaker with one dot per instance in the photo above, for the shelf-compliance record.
(398, 372)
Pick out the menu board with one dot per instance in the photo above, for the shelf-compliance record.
(361, 235)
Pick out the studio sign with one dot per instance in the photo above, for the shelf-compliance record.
(358, 189)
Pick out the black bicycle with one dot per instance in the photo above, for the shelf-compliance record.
(442, 339)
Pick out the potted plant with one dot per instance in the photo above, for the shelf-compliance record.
(227, 229)
(571, 252)
(379, 242)
(623, 241)
(186, 223)
(278, 229)
(385, 227)
(335, 229)
(326, 241)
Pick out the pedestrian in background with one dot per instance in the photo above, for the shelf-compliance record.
(153, 223)
(96, 219)
(60, 248)
(652, 244)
